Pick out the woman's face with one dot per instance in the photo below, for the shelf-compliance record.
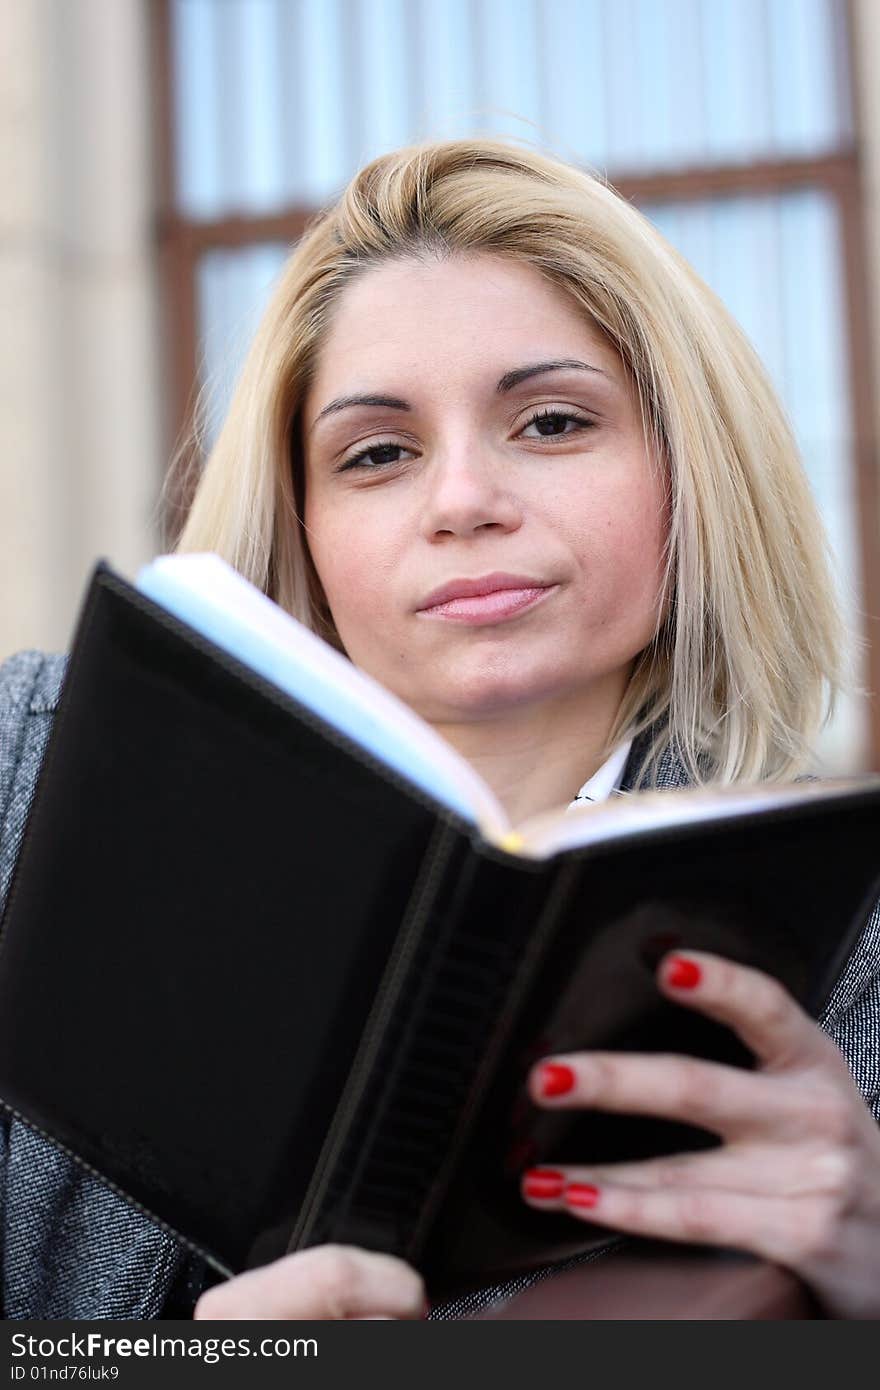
(451, 477)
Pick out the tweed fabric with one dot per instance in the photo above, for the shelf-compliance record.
(73, 1248)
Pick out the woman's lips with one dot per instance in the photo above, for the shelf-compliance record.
(488, 608)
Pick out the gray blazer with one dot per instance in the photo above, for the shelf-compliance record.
(72, 1248)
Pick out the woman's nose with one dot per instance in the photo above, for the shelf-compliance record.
(467, 489)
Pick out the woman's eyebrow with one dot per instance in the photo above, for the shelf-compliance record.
(505, 383)
(343, 403)
(564, 364)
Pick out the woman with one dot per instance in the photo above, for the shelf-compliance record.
(498, 444)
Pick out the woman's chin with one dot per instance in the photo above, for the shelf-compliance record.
(481, 696)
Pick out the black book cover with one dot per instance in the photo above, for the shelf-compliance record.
(277, 995)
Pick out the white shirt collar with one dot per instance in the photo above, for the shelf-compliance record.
(606, 780)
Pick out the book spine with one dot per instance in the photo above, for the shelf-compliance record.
(476, 929)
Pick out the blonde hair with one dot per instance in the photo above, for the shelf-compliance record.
(744, 668)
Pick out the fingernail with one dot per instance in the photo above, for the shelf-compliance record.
(555, 1079)
(543, 1182)
(683, 974)
(581, 1194)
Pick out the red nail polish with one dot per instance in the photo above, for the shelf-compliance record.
(543, 1182)
(581, 1194)
(556, 1079)
(683, 974)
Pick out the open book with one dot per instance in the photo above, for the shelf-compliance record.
(275, 964)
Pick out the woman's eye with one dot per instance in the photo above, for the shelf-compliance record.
(360, 460)
(556, 420)
(551, 424)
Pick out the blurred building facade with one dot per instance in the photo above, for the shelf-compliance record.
(161, 156)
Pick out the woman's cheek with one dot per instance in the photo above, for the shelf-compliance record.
(360, 594)
(622, 581)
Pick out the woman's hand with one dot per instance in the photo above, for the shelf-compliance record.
(325, 1282)
(797, 1178)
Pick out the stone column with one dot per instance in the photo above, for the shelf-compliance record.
(866, 76)
(80, 431)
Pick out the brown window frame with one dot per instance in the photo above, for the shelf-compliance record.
(181, 241)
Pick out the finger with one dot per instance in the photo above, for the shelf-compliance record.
(763, 1170)
(765, 1226)
(724, 1100)
(325, 1282)
(760, 1011)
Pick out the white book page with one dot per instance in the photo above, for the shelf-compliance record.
(208, 594)
(549, 833)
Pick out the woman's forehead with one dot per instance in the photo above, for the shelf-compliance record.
(483, 317)
(444, 288)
